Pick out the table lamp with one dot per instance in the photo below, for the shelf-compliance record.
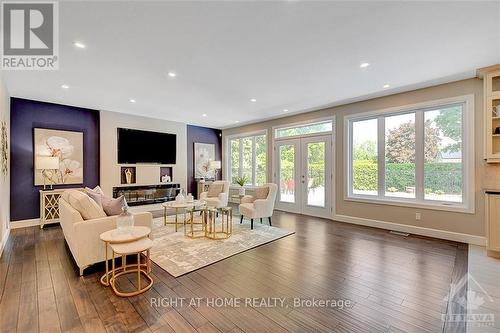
(46, 163)
(216, 166)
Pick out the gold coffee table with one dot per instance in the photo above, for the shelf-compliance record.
(226, 226)
(189, 227)
(179, 207)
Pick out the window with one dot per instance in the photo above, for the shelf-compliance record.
(416, 156)
(248, 158)
(314, 128)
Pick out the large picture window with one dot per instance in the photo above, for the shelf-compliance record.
(248, 158)
(420, 156)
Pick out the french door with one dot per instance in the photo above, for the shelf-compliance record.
(304, 175)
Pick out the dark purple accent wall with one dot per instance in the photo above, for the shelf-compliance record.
(201, 135)
(26, 115)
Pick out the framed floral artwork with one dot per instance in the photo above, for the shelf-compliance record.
(68, 147)
(4, 149)
(203, 154)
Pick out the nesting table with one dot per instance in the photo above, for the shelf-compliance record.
(128, 241)
(179, 207)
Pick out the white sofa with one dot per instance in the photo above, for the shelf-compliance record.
(221, 200)
(253, 208)
(82, 235)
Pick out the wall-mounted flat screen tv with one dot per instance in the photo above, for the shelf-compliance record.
(135, 146)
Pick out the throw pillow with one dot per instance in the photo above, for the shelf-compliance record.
(214, 190)
(87, 207)
(261, 192)
(113, 206)
(97, 197)
(96, 189)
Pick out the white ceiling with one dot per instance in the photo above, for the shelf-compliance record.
(295, 55)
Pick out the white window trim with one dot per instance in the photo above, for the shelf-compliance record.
(227, 160)
(468, 157)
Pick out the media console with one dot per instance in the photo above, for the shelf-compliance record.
(147, 194)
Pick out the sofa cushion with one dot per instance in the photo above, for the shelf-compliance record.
(87, 207)
(261, 192)
(214, 190)
(113, 206)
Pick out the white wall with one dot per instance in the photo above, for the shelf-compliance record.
(4, 180)
(146, 174)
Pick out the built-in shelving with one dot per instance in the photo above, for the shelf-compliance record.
(491, 78)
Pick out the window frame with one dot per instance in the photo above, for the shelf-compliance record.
(227, 161)
(302, 124)
(468, 156)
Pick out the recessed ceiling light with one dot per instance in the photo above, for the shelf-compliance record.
(285, 110)
(132, 100)
(172, 74)
(79, 45)
(236, 121)
(204, 115)
(386, 86)
(253, 100)
(364, 65)
(65, 86)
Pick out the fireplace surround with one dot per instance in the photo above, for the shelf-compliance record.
(147, 194)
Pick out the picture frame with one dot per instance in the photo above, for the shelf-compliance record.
(203, 154)
(65, 144)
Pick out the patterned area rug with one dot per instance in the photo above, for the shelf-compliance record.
(178, 254)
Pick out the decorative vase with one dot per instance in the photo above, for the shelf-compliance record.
(180, 198)
(189, 198)
(241, 191)
(128, 176)
(125, 220)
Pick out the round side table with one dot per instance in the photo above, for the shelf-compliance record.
(119, 236)
(136, 247)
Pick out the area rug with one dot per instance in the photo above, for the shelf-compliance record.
(178, 254)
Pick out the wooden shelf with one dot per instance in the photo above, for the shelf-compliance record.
(495, 95)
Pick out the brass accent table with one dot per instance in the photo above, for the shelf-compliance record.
(189, 227)
(179, 207)
(117, 236)
(226, 225)
(136, 247)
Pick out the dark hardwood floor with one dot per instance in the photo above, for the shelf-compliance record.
(396, 284)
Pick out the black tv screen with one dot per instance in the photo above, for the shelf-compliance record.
(135, 146)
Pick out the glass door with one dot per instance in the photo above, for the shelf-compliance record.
(316, 176)
(304, 175)
(287, 174)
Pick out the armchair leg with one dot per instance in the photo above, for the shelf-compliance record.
(251, 224)
(241, 219)
(269, 220)
(261, 220)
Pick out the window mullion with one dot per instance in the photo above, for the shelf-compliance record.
(240, 161)
(381, 156)
(254, 166)
(419, 155)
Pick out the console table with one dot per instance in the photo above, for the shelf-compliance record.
(49, 205)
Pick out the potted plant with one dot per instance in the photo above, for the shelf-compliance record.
(241, 181)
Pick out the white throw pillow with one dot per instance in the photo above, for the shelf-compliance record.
(87, 207)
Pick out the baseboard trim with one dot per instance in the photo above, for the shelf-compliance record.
(24, 223)
(442, 234)
(4, 240)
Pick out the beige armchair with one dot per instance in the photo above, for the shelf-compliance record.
(219, 200)
(260, 206)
